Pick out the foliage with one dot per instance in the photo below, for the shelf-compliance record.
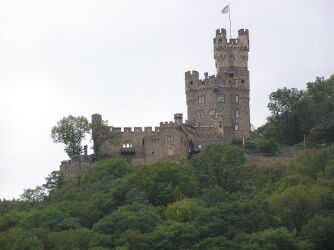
(71, 131)
(184, 205)
(295, 113)
(219, 165)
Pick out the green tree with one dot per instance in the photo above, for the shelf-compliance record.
(283, 105)
(135, 217)
(220, 165)
(320, 230)
(34, 195)
(183, 210)
(297, 204)
(173, 235)
(272, 239)
(71, 131)
(70, 239)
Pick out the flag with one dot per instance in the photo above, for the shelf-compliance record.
(226, 9)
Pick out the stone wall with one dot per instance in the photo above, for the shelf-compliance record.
(225, 95)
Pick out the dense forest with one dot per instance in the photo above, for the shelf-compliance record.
(215, 200)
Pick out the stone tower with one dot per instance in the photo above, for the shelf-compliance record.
(222, 98)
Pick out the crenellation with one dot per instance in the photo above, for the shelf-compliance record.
(138, 129)
(148, 129)
(127, 129)
(215, 104)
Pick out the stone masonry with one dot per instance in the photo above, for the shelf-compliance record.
(217, 111)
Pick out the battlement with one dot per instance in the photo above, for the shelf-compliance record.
(221, 40)
(221, 32)
(243, 32)
(192, 75)
(136, 129)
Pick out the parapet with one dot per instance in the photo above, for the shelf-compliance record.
(243, 32)
(135, 130)
(192, 75)
(97, 119)
(221, 32)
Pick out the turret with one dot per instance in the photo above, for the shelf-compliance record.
(232, 53)
(178, 119)
(97, 119)
(191, 79)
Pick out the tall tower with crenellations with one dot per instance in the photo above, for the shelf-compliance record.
(222, 98)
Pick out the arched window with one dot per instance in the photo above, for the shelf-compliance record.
(127, 144)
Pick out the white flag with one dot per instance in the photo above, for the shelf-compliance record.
(226, 9)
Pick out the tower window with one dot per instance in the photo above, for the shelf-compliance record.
(236, 98)
(170, 138)
(236, 127)
(200, 114)
(237, 113)
(200, 99)
(220, 98)
(212, 112)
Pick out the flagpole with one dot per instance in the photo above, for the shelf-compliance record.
(229, 16)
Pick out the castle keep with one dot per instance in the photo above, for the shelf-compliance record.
(217, 111)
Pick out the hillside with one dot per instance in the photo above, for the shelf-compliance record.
(212, 201)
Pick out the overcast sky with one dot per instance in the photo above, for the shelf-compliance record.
(126, 60)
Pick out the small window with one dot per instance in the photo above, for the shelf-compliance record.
(220, 98)
(127, 145)
(231, 57)
(191, 82)
(170, 138)
(200, 114)
(212, 112)
(200, 99)
(242, 81)
(231, 75)
(221, 124)
(236, 98)
(237, 113)
(236, 127)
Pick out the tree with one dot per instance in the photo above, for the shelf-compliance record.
(34, 195)
(284, 105)
(220, 165)
(320, 230)
(279, 238)
(71, 131)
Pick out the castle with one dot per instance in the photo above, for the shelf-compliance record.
(217, 111)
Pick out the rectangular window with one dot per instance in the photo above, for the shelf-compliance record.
(237, 113)
(221, 125)
(212, 112)
(200, 114)
(201, 99)
(236, 98)
(170, 138)
(236, 127)
(220, 98)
